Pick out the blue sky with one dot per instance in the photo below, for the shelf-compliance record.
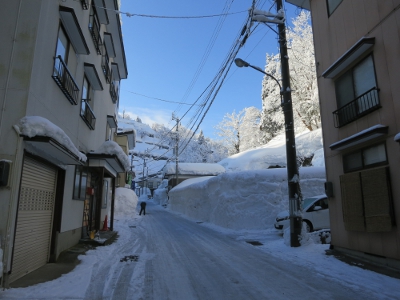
(164, 55)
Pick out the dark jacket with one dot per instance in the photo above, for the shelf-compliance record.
(143, 204)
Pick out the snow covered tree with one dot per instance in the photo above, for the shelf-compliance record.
(303, 81)
(139, 120)
(241, 131)
(250, 133)
(228, 129)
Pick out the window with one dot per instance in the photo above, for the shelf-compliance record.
(105, 193)
(65, 66)
(356, 92)
(80, 182)
(332, 5)
(365, 158)
(94, 28)
(87, 104)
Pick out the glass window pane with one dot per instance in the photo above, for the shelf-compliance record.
(352, 161)
(344, 89)
(77, 182)
(364, 76)
(62, 45)
(374, 155)
(83, 185)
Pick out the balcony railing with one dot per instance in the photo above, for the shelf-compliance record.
(113, 92)
(362, 105)
(65, 81)
(87, 114)
(105, 66)
(95, 32)
(85, 4)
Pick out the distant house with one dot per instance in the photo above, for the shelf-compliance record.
(190, 170)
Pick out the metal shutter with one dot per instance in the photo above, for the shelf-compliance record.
(35, 215)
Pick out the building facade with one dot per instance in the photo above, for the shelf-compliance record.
(358, 66)
(61, 62)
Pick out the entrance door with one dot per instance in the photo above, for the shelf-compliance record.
(35, 216)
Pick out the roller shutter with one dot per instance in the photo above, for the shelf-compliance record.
(35, 215)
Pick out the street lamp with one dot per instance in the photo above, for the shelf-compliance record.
(241, 63)
(291, 159)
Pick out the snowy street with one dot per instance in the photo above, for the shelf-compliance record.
(163, 255)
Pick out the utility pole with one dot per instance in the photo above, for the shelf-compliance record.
(292, 168)
(176, 148)
(293, 177)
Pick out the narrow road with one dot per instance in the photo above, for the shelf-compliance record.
(169, 257)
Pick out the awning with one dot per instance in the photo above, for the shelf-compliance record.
(51, 150)
(301, 3)
(108, 41)
(101, 12)
(360, 48)
(115, 71)
(93, 76)
(112, 122)
(110, 163)
(74, 32)
(361, 137)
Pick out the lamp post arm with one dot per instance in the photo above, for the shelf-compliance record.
(269, 75)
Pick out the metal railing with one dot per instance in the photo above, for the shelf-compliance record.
(360, 106)
(87, 114)
(85, 4)
(95, 33)
(65, 81)
(105, 66)
(113, 92)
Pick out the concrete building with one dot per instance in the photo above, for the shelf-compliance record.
(358, 67)
(61, 61)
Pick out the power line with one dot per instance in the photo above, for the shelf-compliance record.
(154, 98)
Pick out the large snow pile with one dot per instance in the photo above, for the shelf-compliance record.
(194, 169)
(274, 153)
(125, 201)
(242, 200)
(160, 195)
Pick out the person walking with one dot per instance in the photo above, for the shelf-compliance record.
(142, 208)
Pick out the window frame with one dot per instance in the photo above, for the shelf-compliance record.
(79, 172)
(361, 153)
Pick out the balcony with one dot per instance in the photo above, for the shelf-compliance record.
(95, 33)
(113, 92)
(362, 105)
(65, 81)
(85, 4)
(87, 114)
(105, 66)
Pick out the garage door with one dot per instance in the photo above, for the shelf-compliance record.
(35, 215)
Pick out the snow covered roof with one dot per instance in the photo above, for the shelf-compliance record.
(203, 169)
(112, 148)
(32, 126)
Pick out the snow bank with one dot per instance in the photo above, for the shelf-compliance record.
(160, 195)
(194, 169)
(242, 200)
(125, 201)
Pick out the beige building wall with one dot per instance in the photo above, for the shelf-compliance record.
(333, 36)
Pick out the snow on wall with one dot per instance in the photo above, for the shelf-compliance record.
(242, 200)
(31, 126)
